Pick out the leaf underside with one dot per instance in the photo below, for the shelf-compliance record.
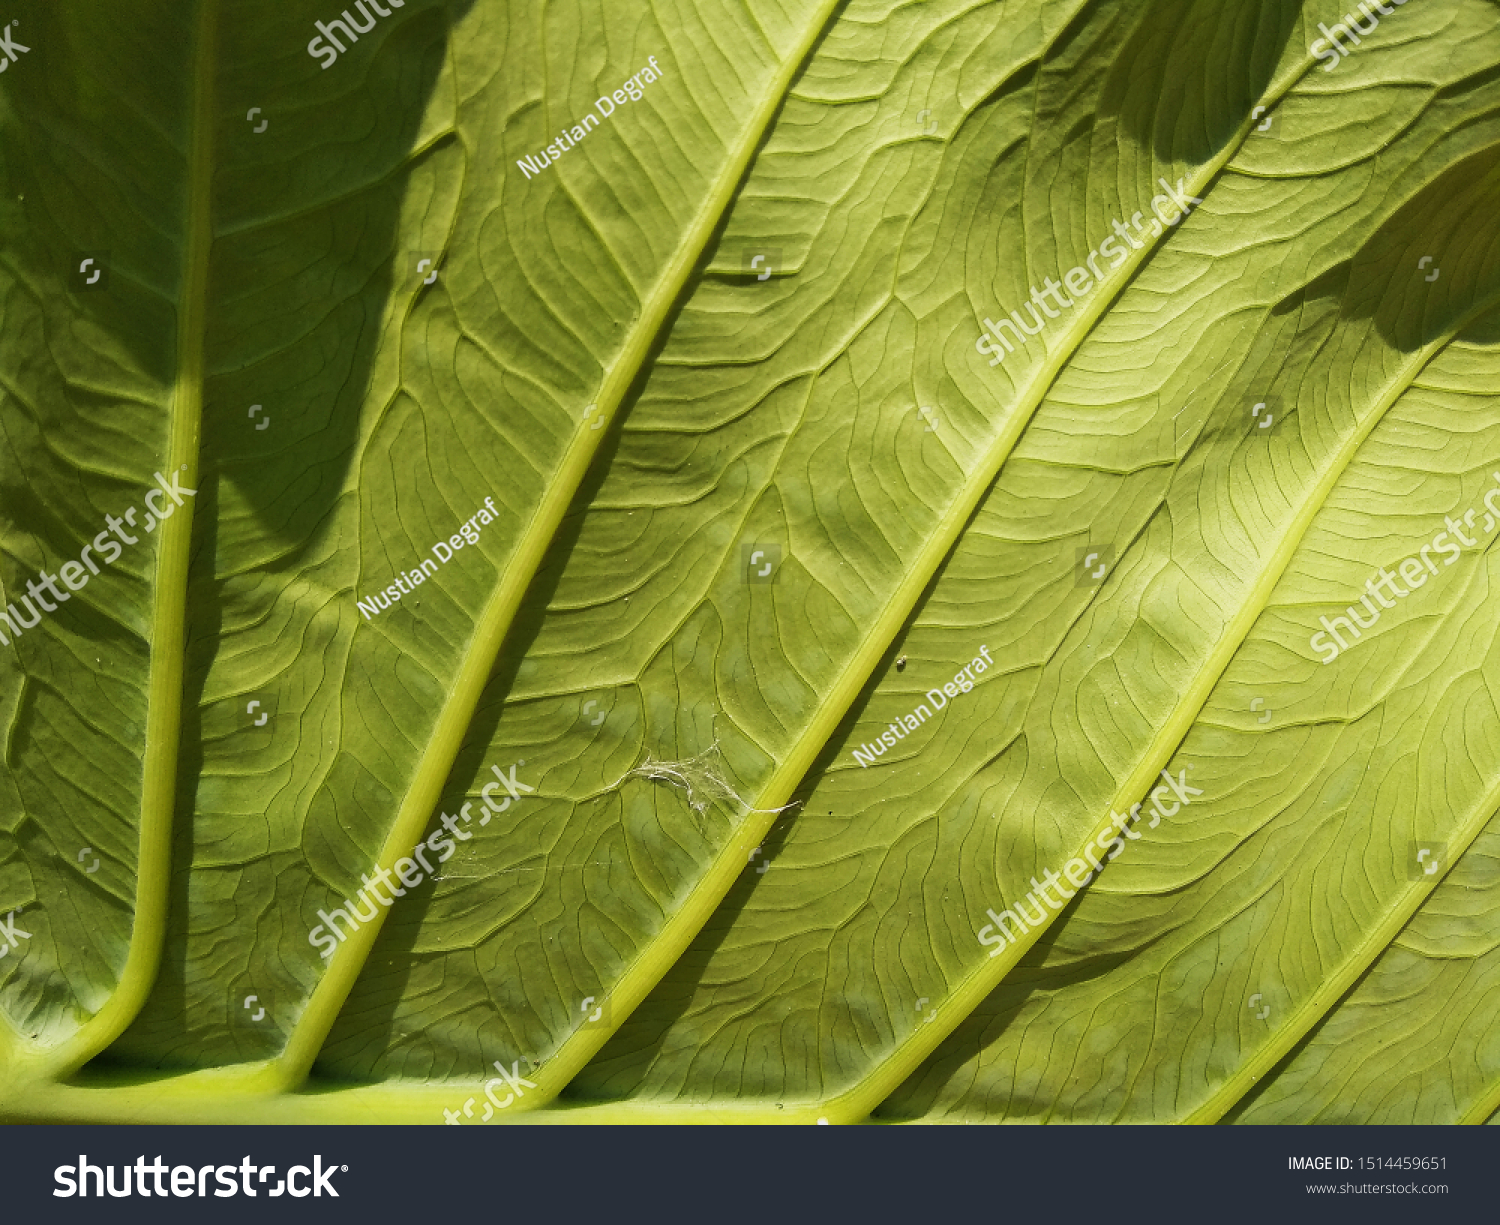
(751, 500)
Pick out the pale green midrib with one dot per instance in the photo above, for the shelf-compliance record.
(201, 1097)
(646, 970)
(169, 616)
(306, 1039)
(1396, 916)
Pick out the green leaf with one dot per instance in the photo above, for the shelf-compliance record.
(751, 496)
(1420, 1020)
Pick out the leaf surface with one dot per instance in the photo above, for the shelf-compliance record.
(751, 498)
